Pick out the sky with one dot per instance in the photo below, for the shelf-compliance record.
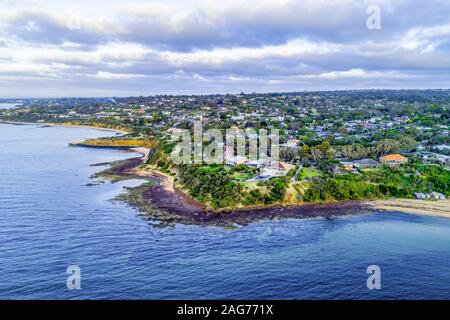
(123, 48)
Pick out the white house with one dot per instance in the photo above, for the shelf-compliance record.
(234, 161)
(277, 168)
(258, 163)
(437, 195)
(292, 143)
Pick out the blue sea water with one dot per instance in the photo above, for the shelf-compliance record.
(50, 219)
(8, 105)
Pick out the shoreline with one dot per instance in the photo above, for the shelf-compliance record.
(67, 125)
(437, 208)
(180, 206)
(168, 196)
(166, 203)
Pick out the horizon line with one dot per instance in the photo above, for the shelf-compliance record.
(222, 94)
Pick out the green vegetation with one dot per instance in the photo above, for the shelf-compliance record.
(326, 128)
(381, 183)
(223, 187)
(243, 173)
(116, 143)
(306, 173)
(210, 184)
(219, 186)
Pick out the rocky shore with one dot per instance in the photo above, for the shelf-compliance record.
(161, 200)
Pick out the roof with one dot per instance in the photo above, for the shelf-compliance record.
(282, 165)
(393, 157)
(367, 161)
(288, 166)
(236, 159)
(259, 161)
(175, 130)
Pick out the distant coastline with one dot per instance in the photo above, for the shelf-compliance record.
(51, 124)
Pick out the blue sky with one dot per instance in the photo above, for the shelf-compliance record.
(117, 48)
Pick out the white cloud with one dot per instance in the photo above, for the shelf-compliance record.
(116, 76)
(189, 45)
(356, 74)
(220, 56)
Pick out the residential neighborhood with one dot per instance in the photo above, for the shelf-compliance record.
(392, 140)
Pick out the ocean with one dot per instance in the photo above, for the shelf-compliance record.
(8, 105)
(51, 219)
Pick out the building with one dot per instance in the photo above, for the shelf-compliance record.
(234, 161)
(421, 196)
(366, 163)
(347, 165)
(437, 195)
(393, 160)
(175, 133)
(293, 143)
(257, 163)
(433, 158)
(432, 195)
(277, 168)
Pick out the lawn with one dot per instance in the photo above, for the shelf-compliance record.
(242, 176)
(305, 173)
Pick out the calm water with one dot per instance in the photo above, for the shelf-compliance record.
(8, 105)
(50, 219)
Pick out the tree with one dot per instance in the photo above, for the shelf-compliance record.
(305, 153)
(316, 154)
(407, 143)
(386, 146)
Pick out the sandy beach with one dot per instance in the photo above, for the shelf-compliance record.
(438, 208)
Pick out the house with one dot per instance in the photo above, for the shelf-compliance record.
(292, 143)
(437, 195)
(433, 158)
(443, 147)
(431, 195)
(257, 163)
(367, 163)
(277, 168)
(234, 161)
(420, 195)
(347, 165)
(393, 159)
(175, 133)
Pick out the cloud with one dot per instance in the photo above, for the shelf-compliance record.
(116, 76)
(209, 46)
